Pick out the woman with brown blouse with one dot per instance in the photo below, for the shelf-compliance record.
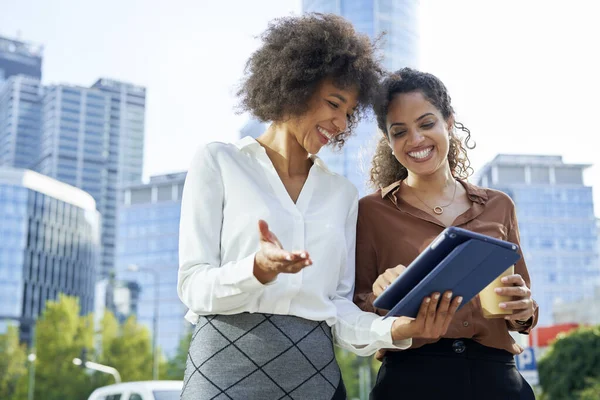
(420, 168)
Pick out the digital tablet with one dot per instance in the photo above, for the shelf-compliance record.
(459, 260)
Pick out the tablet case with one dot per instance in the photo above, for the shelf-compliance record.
(462, 261)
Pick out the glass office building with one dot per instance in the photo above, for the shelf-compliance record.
(20, 121)
(49, 243)
(558, 229)
(149, 239)
(399, 20)
(19, 58)
(75, 149)
(126, 140)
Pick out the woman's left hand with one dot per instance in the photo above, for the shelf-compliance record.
(522, 305)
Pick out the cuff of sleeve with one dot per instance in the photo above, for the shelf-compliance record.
(241, 276)
(382, 329)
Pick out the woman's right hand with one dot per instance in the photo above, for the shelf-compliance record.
(432, 320)
(272, 260)
(384, 280)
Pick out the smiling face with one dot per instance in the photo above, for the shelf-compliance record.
(418, 133)
(328, 115)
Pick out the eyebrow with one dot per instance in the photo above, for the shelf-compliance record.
(339, 96)
(416, 120)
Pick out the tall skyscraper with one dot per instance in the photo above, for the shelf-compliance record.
(399, 20)
(557, 225)
(148, 238)
(20, 121)
(49, 242)
(19, 58)
(75, 150)
(126, 143)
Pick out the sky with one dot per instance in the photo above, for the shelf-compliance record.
(523, 75)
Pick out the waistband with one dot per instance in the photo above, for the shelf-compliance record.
(460, 348)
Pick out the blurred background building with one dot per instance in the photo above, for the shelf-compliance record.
(19, 58)
(91, 138)
(74, 150)
(20, 121)
(126, 139)
(50, 235)
(559, 235)
(147, 253)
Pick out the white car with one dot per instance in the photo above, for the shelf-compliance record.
(145, 390)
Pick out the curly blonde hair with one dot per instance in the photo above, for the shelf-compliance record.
(385, 168)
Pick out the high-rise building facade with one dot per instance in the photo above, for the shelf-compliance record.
(75, 150)
(19, 58)
(148, 239)
(49, 243)
(126, 140)
(556, 222)
(399, 20)
(20, 121)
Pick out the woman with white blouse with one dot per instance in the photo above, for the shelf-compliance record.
(267, 236)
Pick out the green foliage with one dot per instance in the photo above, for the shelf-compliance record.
(60, 335)
(572, 365)
(350, 365)
(175, 367)
(13, 359)
(129, 349)
(592, 390)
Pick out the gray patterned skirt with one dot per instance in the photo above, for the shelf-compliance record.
(261, 357)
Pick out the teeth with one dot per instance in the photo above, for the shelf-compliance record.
(421, 154)
(325, 133)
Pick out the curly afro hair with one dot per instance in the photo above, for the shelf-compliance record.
(385, 168)
(297, 54)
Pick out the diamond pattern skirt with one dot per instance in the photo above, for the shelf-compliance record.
(261, 356)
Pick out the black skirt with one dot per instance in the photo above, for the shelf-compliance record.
(451, 369)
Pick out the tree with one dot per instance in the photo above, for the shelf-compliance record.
(592, 391)
(60, 335)
(350, 364)
(13, 356)
(126, 348)
(572, 364)
(175, 367)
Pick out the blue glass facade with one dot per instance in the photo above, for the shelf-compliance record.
(19, 58)
(149, 238)
(126, 143)
(399, 20)
(20, 121)
(75, 150)
(49, 244)
(557, 225)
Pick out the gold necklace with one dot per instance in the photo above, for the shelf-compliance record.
(439, 210)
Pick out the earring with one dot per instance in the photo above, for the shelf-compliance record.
(393, 153)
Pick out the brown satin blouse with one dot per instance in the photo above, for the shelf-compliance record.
(390, 232)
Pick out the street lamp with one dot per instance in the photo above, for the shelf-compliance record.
(99, 367)
(136, 268)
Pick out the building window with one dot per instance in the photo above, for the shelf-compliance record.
(569, 176)
(511, 175)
